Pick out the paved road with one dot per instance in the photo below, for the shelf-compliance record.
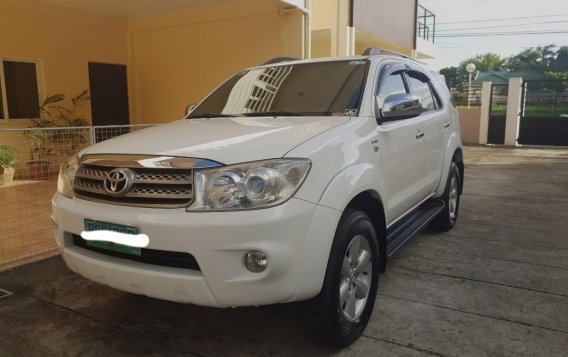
(495, 285)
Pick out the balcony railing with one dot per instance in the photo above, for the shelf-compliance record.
(425, 24)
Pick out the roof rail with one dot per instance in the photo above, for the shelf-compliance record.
(279, 59)
(372, 51)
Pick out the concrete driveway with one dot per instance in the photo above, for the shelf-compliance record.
(495, 285)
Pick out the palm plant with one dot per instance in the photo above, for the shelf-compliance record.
(68, 139)
(547, 55)
(40, 138)
(71, 118)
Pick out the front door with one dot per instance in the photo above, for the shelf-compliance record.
(402, 148)
(402, 153)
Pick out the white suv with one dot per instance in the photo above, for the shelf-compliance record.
(294, 180)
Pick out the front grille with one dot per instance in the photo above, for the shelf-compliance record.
(148, 256)
(151, 187)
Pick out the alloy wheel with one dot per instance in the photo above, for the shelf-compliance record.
(355, 280)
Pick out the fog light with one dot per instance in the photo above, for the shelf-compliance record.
(256, 261)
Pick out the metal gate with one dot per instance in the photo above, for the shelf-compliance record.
(25, 225)
(497, 114)
(544, 113)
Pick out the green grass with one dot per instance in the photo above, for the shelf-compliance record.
(477, 106)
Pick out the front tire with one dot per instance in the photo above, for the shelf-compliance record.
(343, 308)
(446, 220)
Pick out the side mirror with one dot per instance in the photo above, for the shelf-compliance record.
(189, 108)
(401, 106)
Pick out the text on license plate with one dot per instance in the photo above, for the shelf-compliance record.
(92, 225)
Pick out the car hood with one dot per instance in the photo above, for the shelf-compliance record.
(225, 140)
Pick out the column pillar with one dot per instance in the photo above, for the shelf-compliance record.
(485, 112)
(513, 111)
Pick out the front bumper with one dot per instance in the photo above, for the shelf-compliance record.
(296, 235)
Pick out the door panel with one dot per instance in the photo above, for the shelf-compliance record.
(433, 119)
(402, 148)
(402, 156)
(434, 148)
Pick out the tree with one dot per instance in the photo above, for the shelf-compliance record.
(454, 77)
(561, 62)
(486, 62)
(560, 82)
(525, 60)
(547, 56)
(541, 58)
(556, 75)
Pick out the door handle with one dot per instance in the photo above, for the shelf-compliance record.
(446, 126)
(420, 135)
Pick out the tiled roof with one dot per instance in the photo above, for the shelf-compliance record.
(502, 77)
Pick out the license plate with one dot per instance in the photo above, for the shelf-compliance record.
(92, 225)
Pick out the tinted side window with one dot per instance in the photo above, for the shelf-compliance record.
(420, 87)
(393, 84)
(439, 91)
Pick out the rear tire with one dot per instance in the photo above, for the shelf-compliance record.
(341, 311)
(446, 220)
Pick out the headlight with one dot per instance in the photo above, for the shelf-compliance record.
(66, 176)
(254, 185)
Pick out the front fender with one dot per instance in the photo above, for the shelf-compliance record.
(351, 181)
(342, 188)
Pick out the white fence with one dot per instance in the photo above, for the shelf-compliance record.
(25, 225)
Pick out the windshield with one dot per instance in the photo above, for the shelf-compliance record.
(307, 89)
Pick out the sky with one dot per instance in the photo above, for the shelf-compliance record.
(456, 17)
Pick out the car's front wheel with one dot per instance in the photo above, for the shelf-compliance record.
(343, 308)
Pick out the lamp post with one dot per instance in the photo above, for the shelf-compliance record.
(470, 68)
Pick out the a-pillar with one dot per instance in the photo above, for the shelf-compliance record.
(513, 111)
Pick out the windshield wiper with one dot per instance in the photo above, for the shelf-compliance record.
(212, 115)
(274, 113)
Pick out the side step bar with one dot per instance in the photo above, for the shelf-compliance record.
(411, 224)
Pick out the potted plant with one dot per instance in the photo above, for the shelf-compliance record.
(67, 140)
(8, 163)
(41, 140)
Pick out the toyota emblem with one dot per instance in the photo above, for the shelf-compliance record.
(118, 182)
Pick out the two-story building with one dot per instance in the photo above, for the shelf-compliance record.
(145, 60)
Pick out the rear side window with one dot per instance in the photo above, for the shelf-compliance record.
(441, 91)
(420, 87)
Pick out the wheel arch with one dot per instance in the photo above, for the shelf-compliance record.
(458, 159)
(360, 186)
(370, 203)
(454, 151)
